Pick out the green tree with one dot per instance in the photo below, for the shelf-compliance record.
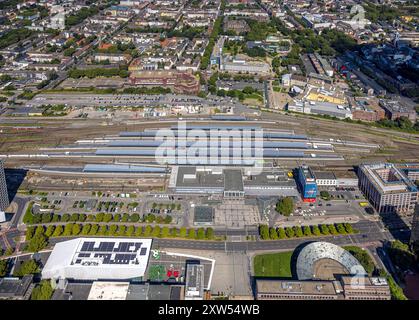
(99, 217)
(285, 206)
(58, 231)
(3, 267)
(191, 234)
(147, 231)
(156, 232)
(103, 230)
(159, 219)
(39, 230)
(37, 243)
(27, 267)
(139, 232)
(122, 230)
(307, 231)
(86, 229)
(94, 230)
(65, 217)
(332, 229)
(348, 228)
(324, 229)
(165, 232)
(315, 230)
(42, 291)
(281, 233)
(325, 195)
(209, 233)
(74, 217)
(174, 232)
(76, 229)
(289, 232)
(108, 217)
(135, 217)
(340, 228)
(150, 218)
(130, 231)
(273, 235)
(298, 231)
(183, 232)
(112, 229)
(46, 217)
(264, 232)
(50, 231)
(201, 234)
(30, 231)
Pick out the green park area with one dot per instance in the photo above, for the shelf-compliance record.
(273, 265)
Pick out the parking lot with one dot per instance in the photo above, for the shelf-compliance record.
(108, 202)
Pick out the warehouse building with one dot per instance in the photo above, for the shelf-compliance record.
(387, 188)
(98, 259)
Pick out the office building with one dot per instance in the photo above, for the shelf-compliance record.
(414, 237)
(343, 288)
(307, 184)
(387, 188)
(325, 179)
(4, 197)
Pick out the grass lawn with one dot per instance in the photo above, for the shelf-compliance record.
(273, 265)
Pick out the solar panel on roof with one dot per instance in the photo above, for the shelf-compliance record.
(143, 251)
(84, 246)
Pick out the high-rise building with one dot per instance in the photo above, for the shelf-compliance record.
(4, 197)
(307, 184)
(414, 237)
(387, 188)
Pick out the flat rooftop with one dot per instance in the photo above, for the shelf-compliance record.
(388, 178)
(296, 287)
(233, 180)
(269, 178)
(194, 281)
(102, 290)
(204, 214)
(98, 259)
(324, 175)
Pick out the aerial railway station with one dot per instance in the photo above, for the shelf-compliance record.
(202, 144)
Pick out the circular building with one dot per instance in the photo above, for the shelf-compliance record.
(324, 260)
